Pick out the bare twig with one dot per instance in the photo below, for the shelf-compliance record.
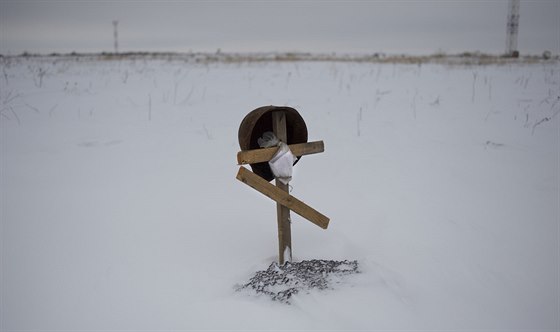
(125, 76)
(188, 97)
(435, 102)
(554, 103)
(5, 75)
(487, 115)
(176, 82)
(10, 96)
(526, 82)
(546, 119)
(40, 75)
(490, 88)
(33, 108)
(15, 115)
(51, 111)
(208, 135)
(359, 117)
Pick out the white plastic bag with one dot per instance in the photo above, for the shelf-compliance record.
(282, 163)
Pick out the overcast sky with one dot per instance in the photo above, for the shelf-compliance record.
(412, 26)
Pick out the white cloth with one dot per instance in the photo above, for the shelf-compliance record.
(268, 140)
(282, 163)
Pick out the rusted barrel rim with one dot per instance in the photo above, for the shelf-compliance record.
(259, 121)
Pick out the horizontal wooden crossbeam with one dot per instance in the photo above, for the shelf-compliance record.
(282, 197)
(265, 154)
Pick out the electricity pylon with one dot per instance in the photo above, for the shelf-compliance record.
(512, 28)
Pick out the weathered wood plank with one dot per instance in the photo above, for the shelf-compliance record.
(265, 154)
(282, 197)
(282, 212)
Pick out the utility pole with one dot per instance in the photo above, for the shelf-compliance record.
(116, 35)
(512, 28)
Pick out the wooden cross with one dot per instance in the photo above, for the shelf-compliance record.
(279, 193)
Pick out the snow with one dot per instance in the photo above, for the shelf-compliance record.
(288, 253)
(120, 208)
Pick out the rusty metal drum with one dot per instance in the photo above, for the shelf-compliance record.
(258, 122)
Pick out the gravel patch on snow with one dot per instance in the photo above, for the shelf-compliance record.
(280, 282)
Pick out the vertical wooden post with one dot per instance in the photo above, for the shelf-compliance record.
(283, 213)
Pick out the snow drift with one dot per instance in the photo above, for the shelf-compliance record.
(120, 208)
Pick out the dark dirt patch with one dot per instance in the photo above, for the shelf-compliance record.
(280, 282)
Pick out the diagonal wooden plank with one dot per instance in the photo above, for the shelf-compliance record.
(265, 154)
(282, 197)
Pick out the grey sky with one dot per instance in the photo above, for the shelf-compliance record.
(412, 26)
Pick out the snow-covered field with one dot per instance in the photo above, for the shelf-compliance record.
(120, 209)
